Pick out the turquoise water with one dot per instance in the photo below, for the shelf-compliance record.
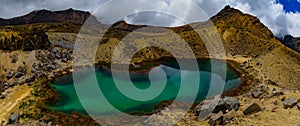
(69, 101)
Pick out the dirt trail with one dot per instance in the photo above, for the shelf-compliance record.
(13, 99)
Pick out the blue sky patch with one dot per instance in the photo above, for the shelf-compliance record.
(290, 5)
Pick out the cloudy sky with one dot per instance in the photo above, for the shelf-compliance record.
(281, 16)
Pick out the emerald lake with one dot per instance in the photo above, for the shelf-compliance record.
(69, 101)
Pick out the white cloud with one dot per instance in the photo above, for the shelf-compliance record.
(163, 13)
(268, 11)
(298, 1)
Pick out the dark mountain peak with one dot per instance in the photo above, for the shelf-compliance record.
(4, 22)
(288, 37)
(228, 8)
(123, 25)
(45, 16)
(227, 11)
(291, 42)
(70, 9)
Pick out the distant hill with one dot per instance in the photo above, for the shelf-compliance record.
(46, 16)
(291, 42)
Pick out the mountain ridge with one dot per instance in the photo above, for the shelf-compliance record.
(242, 35)
(291, 42)
(46, 16)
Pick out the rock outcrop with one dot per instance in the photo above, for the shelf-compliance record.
(291, 42)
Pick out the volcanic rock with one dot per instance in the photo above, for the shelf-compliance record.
(253, 108)
(13, 118)
(256, 93)
(14, 58)
(10, 74)
(64, 60)
(276, 93)
(21, 69)
(53, 50)
(231, 103)
(19, 74)
(21, 81)
(290, 102)
(204, 114)
(30, 79)
(216, 119)
(33, 70)
(2, 96)
(229, 116)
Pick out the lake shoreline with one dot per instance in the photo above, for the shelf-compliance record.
(53, 97)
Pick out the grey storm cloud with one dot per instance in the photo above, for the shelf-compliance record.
(268, 11)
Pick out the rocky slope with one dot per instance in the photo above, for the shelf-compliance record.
(12, 41)
(246, 35)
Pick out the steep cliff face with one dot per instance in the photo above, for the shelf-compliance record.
(11, 41)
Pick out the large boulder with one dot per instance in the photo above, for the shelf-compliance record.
(19, 74)
(64, 60)
(14, 58)
(275, 93)
(220, 107)
(6, 83)
(13, 118)
(51, 67)
(253, 108)
(203, 114)
(231, 103)
(21, 69)
(40, 75)
(33, 70)
(216, 119)
(204, 109)
(2, 96)
(21, 80)
(53, 50)
(256, 93)
(58, 55)
(229, 116)
(227, 104)
(290, 102)
(10, 74)
(30, 79)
